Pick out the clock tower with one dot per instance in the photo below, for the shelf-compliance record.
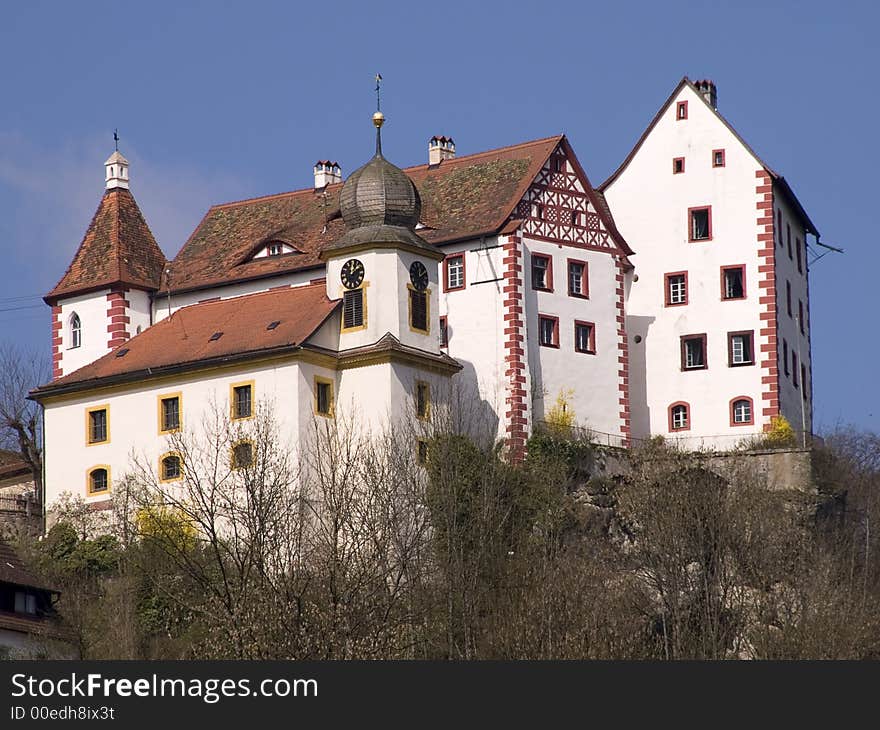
(386, 275)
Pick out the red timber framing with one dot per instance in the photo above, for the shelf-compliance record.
(117, 317)
(516, 404)
(57, 371)
(767, 352)
(561, 190)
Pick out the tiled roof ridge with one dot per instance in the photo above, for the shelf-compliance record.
(223, 301)
(411, 168)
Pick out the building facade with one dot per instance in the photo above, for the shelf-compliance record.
(718, 307)
(500, 277)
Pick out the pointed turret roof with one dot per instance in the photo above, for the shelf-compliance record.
(118, 249)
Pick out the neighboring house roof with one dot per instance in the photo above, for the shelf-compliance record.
(13, 570)
(462, 198)
(12, 465)
(785, 188)
(117, 249)
(183, 341)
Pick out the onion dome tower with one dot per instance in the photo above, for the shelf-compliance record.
(385, 273)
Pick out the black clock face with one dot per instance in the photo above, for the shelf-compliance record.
(352, 274)
(418, 275)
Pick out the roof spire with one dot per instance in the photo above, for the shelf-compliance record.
(116, 167)
(378, 117)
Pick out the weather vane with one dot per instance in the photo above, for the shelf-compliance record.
(116, 138)
(378, 100)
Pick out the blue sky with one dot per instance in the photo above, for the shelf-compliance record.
(221, 101)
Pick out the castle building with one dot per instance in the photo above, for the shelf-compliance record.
(500, 275)
(718, 318)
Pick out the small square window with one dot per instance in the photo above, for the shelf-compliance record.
(99, 481)
(733, 282)
(677, 165)
(740, 348)
(693, 352)
(578, 285)
(548, 331)
(242, 455)
(170, 468)
(679, 417)
(741, 412)
(700, 223)
(542, 272)
(718, 158)
(585, 337)
(681, 110)
(454, 272)
(676, 288)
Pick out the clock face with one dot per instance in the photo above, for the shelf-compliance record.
(352, 274)
(418, 275)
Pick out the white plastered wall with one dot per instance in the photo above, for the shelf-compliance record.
(92, 311)
(650, 205)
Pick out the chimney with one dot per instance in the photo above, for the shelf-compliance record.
(440, 148)
(327, 173)
(707, 88)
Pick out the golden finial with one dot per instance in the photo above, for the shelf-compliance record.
(378, 119)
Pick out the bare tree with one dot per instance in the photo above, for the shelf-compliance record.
(20, 425)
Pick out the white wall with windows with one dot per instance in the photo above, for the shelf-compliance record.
(654, 206)
(91, 309)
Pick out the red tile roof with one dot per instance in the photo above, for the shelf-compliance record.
(184, 339)
(13, 570)
(464, 197)
(118, 249)
(12, 464)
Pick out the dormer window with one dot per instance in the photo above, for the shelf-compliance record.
(274, 248)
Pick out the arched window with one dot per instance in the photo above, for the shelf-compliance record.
(75, 331)
(741, 411)
(679, 416)
(99, 480)
(170, 468)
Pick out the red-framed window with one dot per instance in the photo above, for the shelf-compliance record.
(742, 411)
(454, 272)
(575, 218)
(444, 332)
(584, 337)
(740, 348)
(733, 282)
(700, 223)
(694, 355)
(548, 330)
(677, 165)
(681, 110)
(542, 272)
(675, 285)
(679, 416)
(578, 279)
(719, 158)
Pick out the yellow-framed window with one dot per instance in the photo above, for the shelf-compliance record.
(170, 467)
(242, 455)
(98, 480)
(170, 408)
(423, 399)
(98, 425)
(241, 400)
(324, 404)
